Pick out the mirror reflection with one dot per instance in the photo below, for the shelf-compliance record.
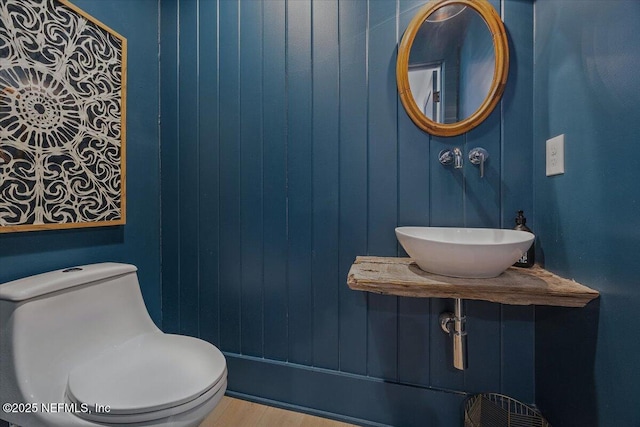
(451, 64)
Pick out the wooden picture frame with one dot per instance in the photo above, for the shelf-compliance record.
(63, 81)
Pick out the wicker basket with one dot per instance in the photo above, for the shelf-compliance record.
(496, 410)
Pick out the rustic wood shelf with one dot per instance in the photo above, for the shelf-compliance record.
(516, 286)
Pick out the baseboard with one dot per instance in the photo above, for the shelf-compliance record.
(346, 397)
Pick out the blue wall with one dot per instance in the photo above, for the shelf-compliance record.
(24, 254)
(285, 154)
(587, 220)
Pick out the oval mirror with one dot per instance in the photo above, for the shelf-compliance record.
(452, 65)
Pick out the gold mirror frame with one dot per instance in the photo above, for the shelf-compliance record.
(501, 69)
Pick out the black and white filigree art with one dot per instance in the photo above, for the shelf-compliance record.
(61, 118)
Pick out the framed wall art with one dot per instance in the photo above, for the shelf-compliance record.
(62, 118)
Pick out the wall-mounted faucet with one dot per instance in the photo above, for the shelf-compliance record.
(478, 156)
(449, 156)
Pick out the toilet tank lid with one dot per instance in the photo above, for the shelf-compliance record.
(46, 283)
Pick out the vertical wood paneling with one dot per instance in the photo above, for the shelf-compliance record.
(251, 174)
(517, 186)
(413, 209)
(517, 103)
(326, 174)
(446, 193)
(208, 167)
(299, 164)
(483, 346)
(446, 185)
(353, 180)
(287, 154)
(230, 231)
(517, 356)
(482, 195)
(383, 180)
(274, 124)
(414, 165)
(482, 209)
(170, 188)
(188, 175)
(413, 341)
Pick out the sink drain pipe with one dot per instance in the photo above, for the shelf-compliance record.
(454, 324)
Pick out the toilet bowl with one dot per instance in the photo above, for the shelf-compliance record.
(78, 348)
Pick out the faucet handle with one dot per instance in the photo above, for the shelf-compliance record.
(448, 156)
(478, 156)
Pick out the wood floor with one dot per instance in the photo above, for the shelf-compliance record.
(232, 412)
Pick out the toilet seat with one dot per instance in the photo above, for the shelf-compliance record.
(149, 377)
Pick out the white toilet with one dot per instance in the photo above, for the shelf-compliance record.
(78, 348)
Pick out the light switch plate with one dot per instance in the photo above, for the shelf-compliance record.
(555, 155)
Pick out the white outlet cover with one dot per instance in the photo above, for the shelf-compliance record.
(555, 155)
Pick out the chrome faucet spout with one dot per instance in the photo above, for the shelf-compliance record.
(451, 157)
(457, 158)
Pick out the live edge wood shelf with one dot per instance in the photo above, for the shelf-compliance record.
(516, 286)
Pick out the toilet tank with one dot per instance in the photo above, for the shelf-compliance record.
(51, 322)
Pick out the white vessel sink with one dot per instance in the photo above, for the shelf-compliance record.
(464, 252)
